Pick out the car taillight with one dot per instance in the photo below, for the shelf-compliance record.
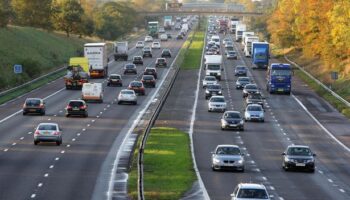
(69, 107)
(41, 105)
(82, 107)
(56, 133)
(37, 133)
(24, 105)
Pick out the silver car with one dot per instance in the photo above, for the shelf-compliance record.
(48, 132)
(227, 156)
(242, 81)
(209, 80)
(250, 89)
(217, 103)
(245, 191)
(127, 96)
(254, 112)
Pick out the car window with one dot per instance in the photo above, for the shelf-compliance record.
(240, 68)
(76, 103)
(114, 77)
(228, 151)
(47, 127)
(232, 115)
(210, 78)
(244, 79)
(127, 92)
(254, 108)
(250, 87)
(252, 193)
(217, 99)
(147, 77)
(130, 66)
(299, 151)
(254, 96)
(136, 84)
(33, 102)
(216, 87)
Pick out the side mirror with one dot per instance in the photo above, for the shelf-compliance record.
(222, 69)
(232, 195)
(314, 155)
(212, 152)
(242, 154)
(283, 154)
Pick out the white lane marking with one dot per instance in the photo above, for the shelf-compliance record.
(93, 121)
(29, 133)
(73, 139)
(319, 124)
(97, 116)
(83, 129)
(55, 115)
(264, 178)
(78, 134)
(284, 133)
(60, 111)
(40, 184)
(62, 151)
(57, 158)
(288, 139)
(49, 119)
(21, 138)
(88, 125)
(13, 144)
(272, 188)
(108, 106)
(6, 150)
(51, 166)
(281, 198)
(68, 145)
(330, 180)
(46, 175)
(342, 190)
(321, 172)
(33, 196)
(104, 109)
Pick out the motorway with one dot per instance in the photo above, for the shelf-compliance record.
(69, 171)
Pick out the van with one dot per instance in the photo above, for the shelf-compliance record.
(216, 39)
(92, 92)
(213, 66)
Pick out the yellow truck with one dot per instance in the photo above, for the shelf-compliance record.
(77, 73)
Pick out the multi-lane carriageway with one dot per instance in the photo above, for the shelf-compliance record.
(69, 171)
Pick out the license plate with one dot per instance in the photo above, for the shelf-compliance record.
(46, 133)
(32, 110)
(280, 89)
(75, 108)
(300, 164)
(233, 125)
(227, 164)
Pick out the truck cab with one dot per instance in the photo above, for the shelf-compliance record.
(213, 66)
(279, 78)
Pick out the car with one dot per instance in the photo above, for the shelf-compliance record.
(137, 86)
(217, 103)
(231, 55)
(242, 81)
(177, 27)
(137, 60)
(161, 62)
(148, 80)
(146, 52)
(298, 157)
(161, 30)
(140, 44)
(232, 120)
(241, 70)
(77, 107)
(254, 112)
(179, 36)
(169, 35)
(250, 89)
(163, 37)
(151, 71)
(224, 41)
(166, 53)
(130, 68)
(127, 96)
(115, 79)
(34, 105)
(255, 98)
(227, 156)
(155, 45)
(209, 80)
(212, 90)
(148, 39)
(248, 191)
(48, 132)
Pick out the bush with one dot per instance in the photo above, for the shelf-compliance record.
(31, 67)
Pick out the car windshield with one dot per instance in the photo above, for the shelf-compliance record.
(136, 84)
(129, 66)
(215, 87)
(240, 68)
(137, 58)
(243, 79)
(210, 78)
(213, 67)
(252, 194)
(76, 103)
(148, 77)
(281, 72)
(33, 102)
(251, 87)
(217, 99)
(228, 151)
(127, 92)
(161, 61)
(254, 108)
(229, 48)
(139, 42)
(232, 115)
(231, 52)
(155, 43)
(47, 127)
(299, 151)
(150, 70)
(114, 77)
(166, 51)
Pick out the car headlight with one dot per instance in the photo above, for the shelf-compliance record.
(207, 91)
(215, 160)
(241, 122)
(224, 122)
(288, 159)
(261, 114)
(240, 161)
(310, 161)
(219, 92)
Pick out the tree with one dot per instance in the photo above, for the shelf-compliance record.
(5, 12)
(35, 13)
(68, 16)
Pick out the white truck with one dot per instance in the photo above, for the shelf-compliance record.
(98, 60)
(184, 28)
(213, 66)
(240, 28)
(248, 45)
(233, 25)
(92, 92)
(121, 50)
(245, 34)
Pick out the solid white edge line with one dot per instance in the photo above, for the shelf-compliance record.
(193, 118)
(136, 121)
(320, 125)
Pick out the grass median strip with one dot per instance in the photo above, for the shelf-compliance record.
(194, 54)
(168, 167)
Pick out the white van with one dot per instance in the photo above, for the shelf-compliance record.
(92, 92)
(216, 39)
(213, 66)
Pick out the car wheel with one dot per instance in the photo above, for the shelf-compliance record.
(36, 142)
(24, 113)
(119, 102)
(108, 84)
(67, 115)
(86, 115)
(263, 120)
(58, 143)
(135, 103)
(242, 170)
(312, 170)
(242, 129)
(213, 168)
(42, 113)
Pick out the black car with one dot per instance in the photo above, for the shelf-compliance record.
(161, 62)
(241, 70)
(255, 98)
(169, 35)
(179, 37)
(231, 55)
(166, 53)
(151, 71)
(148, 81)
(115, 79)
(147, 52)
(77, 107)
(232, 120)
(250, 89)
(242, 81)
(213, 90)
(137, 60)
(298, 157)
(34, 105)
(130, 69)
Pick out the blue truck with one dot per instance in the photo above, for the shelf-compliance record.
(260, 54)
(279, 78)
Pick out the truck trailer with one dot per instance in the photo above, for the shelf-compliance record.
(213, 66)
(261, 54)
(96, 53)
(153, 29)
(240, 28)
(168, 22)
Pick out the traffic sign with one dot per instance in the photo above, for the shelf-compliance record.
(17, 69)
(334, 75)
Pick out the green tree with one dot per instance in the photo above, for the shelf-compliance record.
(35, 13)
(5, 12)
(68, 16)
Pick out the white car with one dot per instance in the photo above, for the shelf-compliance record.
(148, 39)
(127, 96)
(254, 112)
(227, 156)
(163, 37)
(140, 44)
(48, 132)
(209, 80)
(245, 191)
(217, 103)
(155, 45)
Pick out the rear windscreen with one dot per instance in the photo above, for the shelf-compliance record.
(76, 104)
(33, 102)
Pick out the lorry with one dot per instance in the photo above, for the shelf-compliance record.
(168, 22)
(245, 34)
(260, 54)
(279, 78)
(248, 45)
(213, 66)
(232, 25)
(222, 25)
(96, 53)
(240, 28)
(121, 50)
(92, 92)
(153, 29)
(77, 73)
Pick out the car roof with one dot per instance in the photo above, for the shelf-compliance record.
(46, 123)
(114, 75)
(126, 90)
(251, 186)
(232, 111)
(76, 100)
(34, 99)
(227, 145)
(222, 97)
(298, 146)
(253, 104)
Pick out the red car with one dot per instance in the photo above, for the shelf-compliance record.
(148, 80)
(137, 86)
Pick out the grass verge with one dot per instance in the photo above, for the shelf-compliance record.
(168, 167)
(194, 54)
